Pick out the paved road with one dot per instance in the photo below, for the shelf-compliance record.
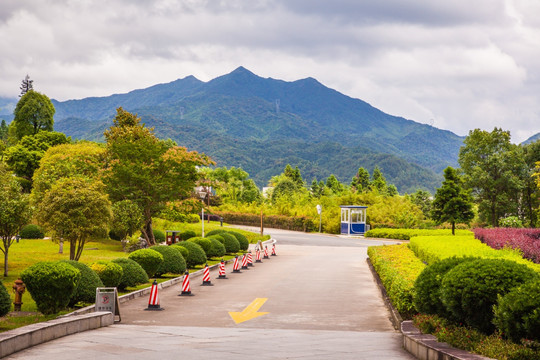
(320, 299)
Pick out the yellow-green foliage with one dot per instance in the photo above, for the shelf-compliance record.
(398, 268)
(434, 248)
(406, 234)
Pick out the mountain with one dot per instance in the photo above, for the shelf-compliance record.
(261, 124)
(532, 139)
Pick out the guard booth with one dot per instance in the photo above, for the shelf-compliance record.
(172, 236)
(353, 220)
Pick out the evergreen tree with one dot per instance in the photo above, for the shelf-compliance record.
(26, 85)
(333, 184)
(452, 202)
(360, 182)
(378, 181)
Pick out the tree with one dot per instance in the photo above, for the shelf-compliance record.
(360, 182)
(378, 181)
(14, 211)
(492, 168)
(333, 184)
(127, 218)
(452, 202)
(294, 175)
(26, 85)
(34, 112)
(531, 193)
(74, 210)
(141, 168)
(422, 199)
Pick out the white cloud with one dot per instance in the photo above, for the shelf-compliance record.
(458, 64)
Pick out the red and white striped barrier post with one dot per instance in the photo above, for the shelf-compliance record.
(153, 301)
(265, 252)
(258, 256)
(236, 265)
(186, 288)
(273, 250)
(206, 277)
(222, 270)
(244, 262)
(250, 259)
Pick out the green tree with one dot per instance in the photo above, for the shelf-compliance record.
(333, 184)
(14, 211)
(74, 210)
(422, 199)
(452, 202)
(378, 181)
(26, 85)
(141, 168)
(34, 112)
(284, 189)
(360, 182)
(127, 218)
(531, 193)
(294, 175)
(492, 166)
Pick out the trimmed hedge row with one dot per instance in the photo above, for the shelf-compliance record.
(273, 221)
(407, 234)
(398, 268)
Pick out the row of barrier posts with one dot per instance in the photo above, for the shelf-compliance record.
(247, 261)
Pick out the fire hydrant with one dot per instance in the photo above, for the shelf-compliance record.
(19, 288)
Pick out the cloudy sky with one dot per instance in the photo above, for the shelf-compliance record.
(457, 64)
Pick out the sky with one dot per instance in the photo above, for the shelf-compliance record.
(457, 65)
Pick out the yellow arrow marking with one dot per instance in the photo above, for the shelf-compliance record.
(250, 312)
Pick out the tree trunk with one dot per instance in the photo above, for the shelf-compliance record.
(147, 232)
(72, 249)
(6, 261)
(453, 228)
(61, 246)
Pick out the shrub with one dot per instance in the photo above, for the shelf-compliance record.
(51, 285)
(173, 261)
(511, 222)
(183, 250)
(202, 242)
(398, 268)
(5, 300)
(527, 241)
(232, 246)
(32, 231)
(187, 234)
(192, 218)
(86, 290)
(242, 240)
(132, 273)
(109, 272)
(196, 254)
(218, 249)
(159, 236)
(149, 259)
(470, 289)
(427, 287)
(215, 232)
(517, 314)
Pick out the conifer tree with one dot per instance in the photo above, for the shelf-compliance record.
(26, 85)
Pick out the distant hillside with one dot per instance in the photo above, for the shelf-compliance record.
(241, 119)
(532, 139)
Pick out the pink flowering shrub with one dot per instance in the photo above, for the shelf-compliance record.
(527, 241)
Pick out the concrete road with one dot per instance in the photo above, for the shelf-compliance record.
(318, 298)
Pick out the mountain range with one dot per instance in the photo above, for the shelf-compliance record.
(262, 124)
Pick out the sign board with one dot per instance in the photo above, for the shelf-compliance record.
(319, 209)
(107, 300)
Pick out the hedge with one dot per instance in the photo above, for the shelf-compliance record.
(196, 255)
(398, 268)
(173, 261)
(407, 234)
(32, 231)
(86, 289)
(232, 245)
(273, 221)
(218, 249)
(109, 272)
(132, 273)
(242, 240)
(149, 259)
(204, 243)
(5, 300)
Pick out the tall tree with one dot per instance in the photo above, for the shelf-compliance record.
(452, 202)
(333, 184)
(26, 85)
(378, 181)
(360, 182)
(75, 209)
(531, 194)
(422, 199)
(141, 168)
(34, 112)
(492, 166)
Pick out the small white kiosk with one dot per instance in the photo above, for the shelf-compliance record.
(353, 220)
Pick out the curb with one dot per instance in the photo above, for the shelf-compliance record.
(421, 346)
(24, 337)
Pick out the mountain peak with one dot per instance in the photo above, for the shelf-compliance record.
(241, 70)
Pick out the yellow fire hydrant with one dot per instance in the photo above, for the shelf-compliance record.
(19, 288)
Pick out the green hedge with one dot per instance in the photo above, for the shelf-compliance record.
(132, 273)
(242, 240)
(86, 289)
(407, 234)
(149, 259)
(232, 245)
(5, 300)
(32, 231)
(159, 236)
(196, 255)
(204, 243)
(51, 284)
(272, 221)
(218, 249)
(184, 235)
(173, 261)
(398, 268)
(109, 272)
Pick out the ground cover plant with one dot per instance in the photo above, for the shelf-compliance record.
(407, 234)
(525, 240)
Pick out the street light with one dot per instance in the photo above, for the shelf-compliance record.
(202, 194)
(319, 210)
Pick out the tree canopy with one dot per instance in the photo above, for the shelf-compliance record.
(34, 112)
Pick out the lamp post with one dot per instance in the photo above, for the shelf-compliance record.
(202, 194)
(319, 210)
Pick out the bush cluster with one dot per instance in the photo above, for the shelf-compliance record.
(232, 246)
(187, 234)
(218, 249)
(407, 234)
(242, 240)
(132, 273)
(527, 241)
(5, 300)
(149, 259)
(51, 285)
(86, 289)
(204, 243)
(159, 236)
(196, 255)
(274, 221)
(109, 272)
(173, 261)
(32, 231)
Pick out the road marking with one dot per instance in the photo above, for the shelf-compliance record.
(250, 312)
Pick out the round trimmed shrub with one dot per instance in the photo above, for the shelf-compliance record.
(109, 272)
(470, 289)
(517, 314)
(187, 234)
(202, 242)
(427, 287)
(159, 236)
(32, 231)
(242, 240)
(5, 301)
(218, 249)
(232, 246)
(215, 232)
(173, 261)
(86, 290)
(51, 284)
(149, 259)
(196, 254)
(132, 273)
(183, 250)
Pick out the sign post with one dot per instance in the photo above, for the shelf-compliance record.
(107, 300)
(319, 211)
